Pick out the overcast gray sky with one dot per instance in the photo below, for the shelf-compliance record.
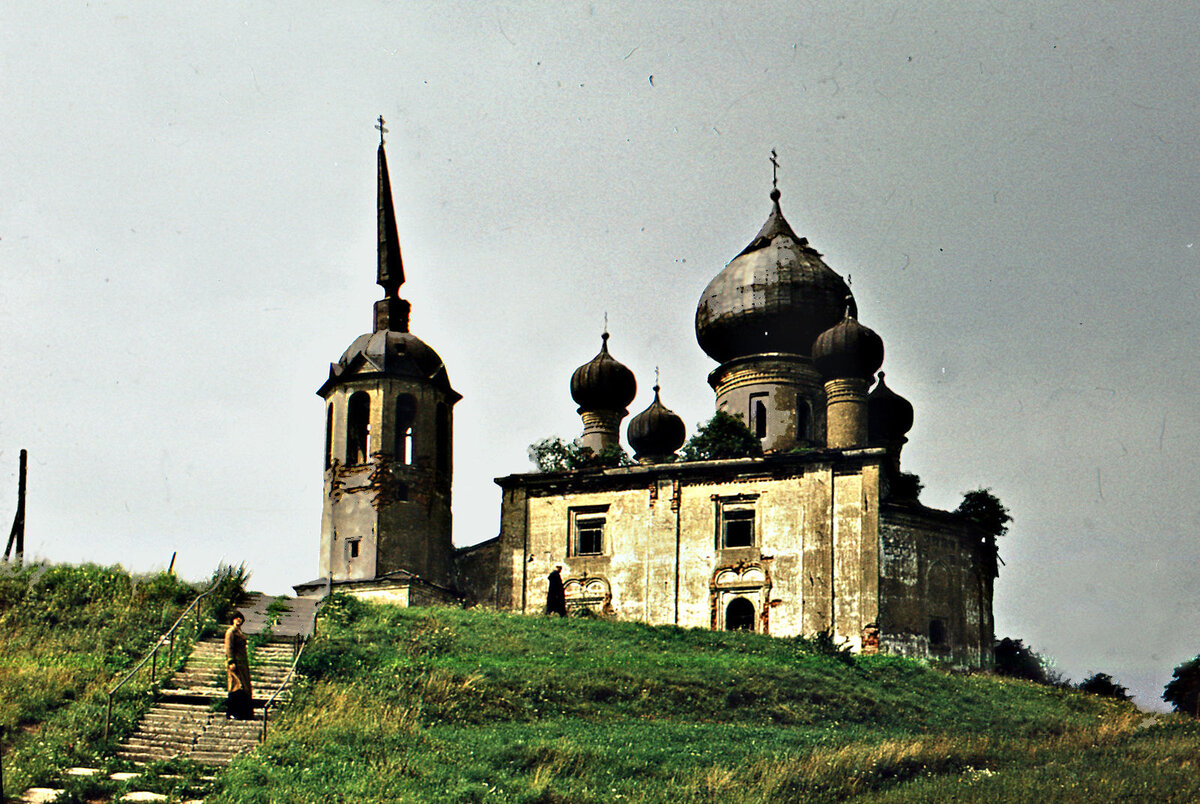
(187, 240)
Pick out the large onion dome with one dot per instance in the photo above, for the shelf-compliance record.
(848, 349)
(603, 383)
(656, 432)
(775, 296)
(889, 415)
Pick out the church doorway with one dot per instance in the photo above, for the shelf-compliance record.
(739, 615)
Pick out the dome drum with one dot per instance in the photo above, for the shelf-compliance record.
(780, 397)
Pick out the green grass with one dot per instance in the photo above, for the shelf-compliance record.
(65, 633)
(447, 705)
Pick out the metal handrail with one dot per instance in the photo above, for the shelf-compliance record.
(288, 678)
(152, 656)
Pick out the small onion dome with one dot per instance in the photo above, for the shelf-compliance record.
(775, 296)
(848, 349)
(889, 415)
(656, 432)
(602, 383)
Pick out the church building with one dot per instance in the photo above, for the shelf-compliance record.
(822, 533)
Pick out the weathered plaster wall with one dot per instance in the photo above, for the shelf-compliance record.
(475, 573)
(931, 571)
(663, 563)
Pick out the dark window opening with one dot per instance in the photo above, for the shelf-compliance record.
(401, 492)
(443, 437)
(358, 426)
(328, 436)
(406, 414)
(739, 615)
(758, 415)
(354, 548)
(737, 527)
(802, 420)
(937, 632)
(589, 536)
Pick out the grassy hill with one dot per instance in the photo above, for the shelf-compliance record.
(448, 705)
(65, 633)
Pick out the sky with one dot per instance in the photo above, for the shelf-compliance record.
(187, 236)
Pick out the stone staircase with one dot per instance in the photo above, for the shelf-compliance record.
(189, 718)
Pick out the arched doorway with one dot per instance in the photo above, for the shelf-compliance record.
(739, 615)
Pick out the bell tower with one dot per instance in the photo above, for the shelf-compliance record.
(388, 442)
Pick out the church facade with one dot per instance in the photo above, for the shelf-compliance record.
(821, 533)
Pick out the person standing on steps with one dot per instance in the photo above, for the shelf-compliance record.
(556, 600)
(240, 703)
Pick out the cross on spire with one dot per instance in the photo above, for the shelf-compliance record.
(383, 130)
(774, 170)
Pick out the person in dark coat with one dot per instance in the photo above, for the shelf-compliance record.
(240, 703)
(556, 600)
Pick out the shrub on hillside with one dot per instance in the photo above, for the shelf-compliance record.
(1015, 660)
(1105, 686)
(1183, 690)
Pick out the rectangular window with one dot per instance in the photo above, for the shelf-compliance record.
(589, 536)
(586, 528)
(737, 527)
(353, 545)
(758, 415)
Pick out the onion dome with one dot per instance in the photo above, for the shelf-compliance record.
(602, 383)
(889, 415)
(656, 432)
(848, 349)
(775, 296)
(391, 354)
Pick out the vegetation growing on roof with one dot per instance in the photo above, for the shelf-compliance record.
(721, 437)
(555, 455)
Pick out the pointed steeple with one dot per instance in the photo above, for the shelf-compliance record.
(391, 312)
(391, 268)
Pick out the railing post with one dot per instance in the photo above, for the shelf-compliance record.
(154, 661)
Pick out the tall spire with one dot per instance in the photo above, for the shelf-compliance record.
(391, 269)
(391, 312)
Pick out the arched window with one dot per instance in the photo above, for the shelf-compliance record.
(328, 435)
(358, 426)
(443, 437)
(406, 414)
(739, 615)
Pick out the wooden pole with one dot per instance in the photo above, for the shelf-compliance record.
(17, 535)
